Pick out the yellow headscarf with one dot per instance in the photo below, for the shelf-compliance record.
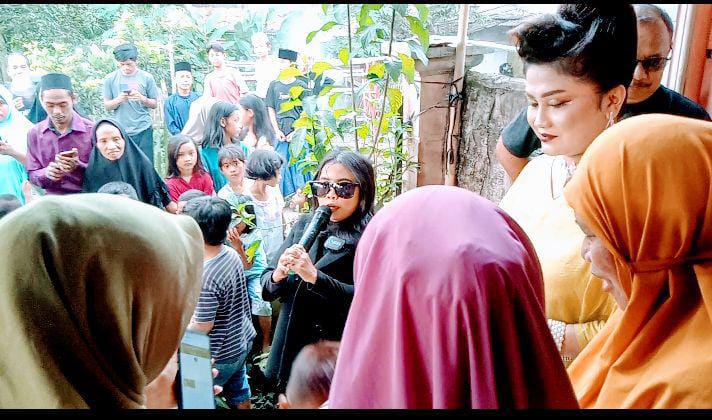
(644, 188)
(95, 293)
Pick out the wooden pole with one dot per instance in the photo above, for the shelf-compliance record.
(453, 135)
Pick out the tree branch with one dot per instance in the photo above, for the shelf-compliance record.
(351, 72)
(388, 79)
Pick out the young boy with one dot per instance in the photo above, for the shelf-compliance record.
(177, 105)
(187, 196)
(310, 377)
(224, 83)
(232, 164)
(266, 67)
(130, 95)
(223, 310)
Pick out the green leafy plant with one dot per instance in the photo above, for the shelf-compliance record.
(240, 214)
(379, 130)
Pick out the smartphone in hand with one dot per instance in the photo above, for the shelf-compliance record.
(124, 87)
(195, 375)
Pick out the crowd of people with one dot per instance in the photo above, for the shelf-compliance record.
(588, 286)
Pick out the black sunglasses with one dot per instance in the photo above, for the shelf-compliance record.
(653, 63)
(343, 189)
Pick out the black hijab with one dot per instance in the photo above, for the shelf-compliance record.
(133, 167)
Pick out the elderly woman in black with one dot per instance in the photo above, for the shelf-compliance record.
(316, 285)
(116, 157)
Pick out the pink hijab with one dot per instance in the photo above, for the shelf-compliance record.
(447, 312)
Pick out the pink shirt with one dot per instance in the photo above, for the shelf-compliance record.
(224, 86)
(177, 185)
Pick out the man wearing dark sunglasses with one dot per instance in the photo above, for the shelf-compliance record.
(645, 94)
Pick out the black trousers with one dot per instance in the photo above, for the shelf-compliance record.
(144, 141)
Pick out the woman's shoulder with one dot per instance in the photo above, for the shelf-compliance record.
(530, 186)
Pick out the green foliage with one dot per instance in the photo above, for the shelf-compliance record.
(68, 24)
(78, 40)
(381, 134)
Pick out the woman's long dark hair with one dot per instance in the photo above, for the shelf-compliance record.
(214, 133)
(260, 122)
(364, 175)
(174, 145)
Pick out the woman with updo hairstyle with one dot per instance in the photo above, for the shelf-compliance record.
(577, 65)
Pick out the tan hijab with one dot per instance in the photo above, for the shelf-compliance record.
(95, 293)
(645, 188)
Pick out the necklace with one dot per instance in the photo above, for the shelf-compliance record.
(568, 168)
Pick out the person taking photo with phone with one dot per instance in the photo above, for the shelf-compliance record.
(130, 94)
(58, 147)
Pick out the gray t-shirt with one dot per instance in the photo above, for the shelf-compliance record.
(132, 115)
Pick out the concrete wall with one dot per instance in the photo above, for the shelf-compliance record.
(491, 102)
(435, 79)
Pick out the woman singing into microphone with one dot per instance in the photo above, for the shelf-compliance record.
(315, 286)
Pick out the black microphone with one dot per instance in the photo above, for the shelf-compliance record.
(316, 225)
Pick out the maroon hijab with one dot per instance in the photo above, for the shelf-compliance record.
(448, 312)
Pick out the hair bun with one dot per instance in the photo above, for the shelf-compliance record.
(545, 37)
(594, 42)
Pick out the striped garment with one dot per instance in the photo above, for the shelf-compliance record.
(224, 300)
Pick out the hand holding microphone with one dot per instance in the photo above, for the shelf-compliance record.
(296, 257)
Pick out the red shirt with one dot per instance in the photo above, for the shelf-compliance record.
(199, 181)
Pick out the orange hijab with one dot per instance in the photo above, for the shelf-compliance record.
(644, 187)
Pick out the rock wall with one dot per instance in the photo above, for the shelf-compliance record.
(491, 102)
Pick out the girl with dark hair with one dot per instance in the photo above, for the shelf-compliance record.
(263, 167)
(115, 157)
(577, 64)
(221, 129)
(315, 286)
(257, 132)
(185, 169)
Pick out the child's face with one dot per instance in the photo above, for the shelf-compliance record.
(216, 58)
(187, 158)
(184, 80)
(233, 169)
(231, 124)
(246, 116)
(272, 182)
(260, 48)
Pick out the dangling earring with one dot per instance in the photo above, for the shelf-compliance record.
(610, 119)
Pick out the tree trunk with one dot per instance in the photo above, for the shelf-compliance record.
(491, 102)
